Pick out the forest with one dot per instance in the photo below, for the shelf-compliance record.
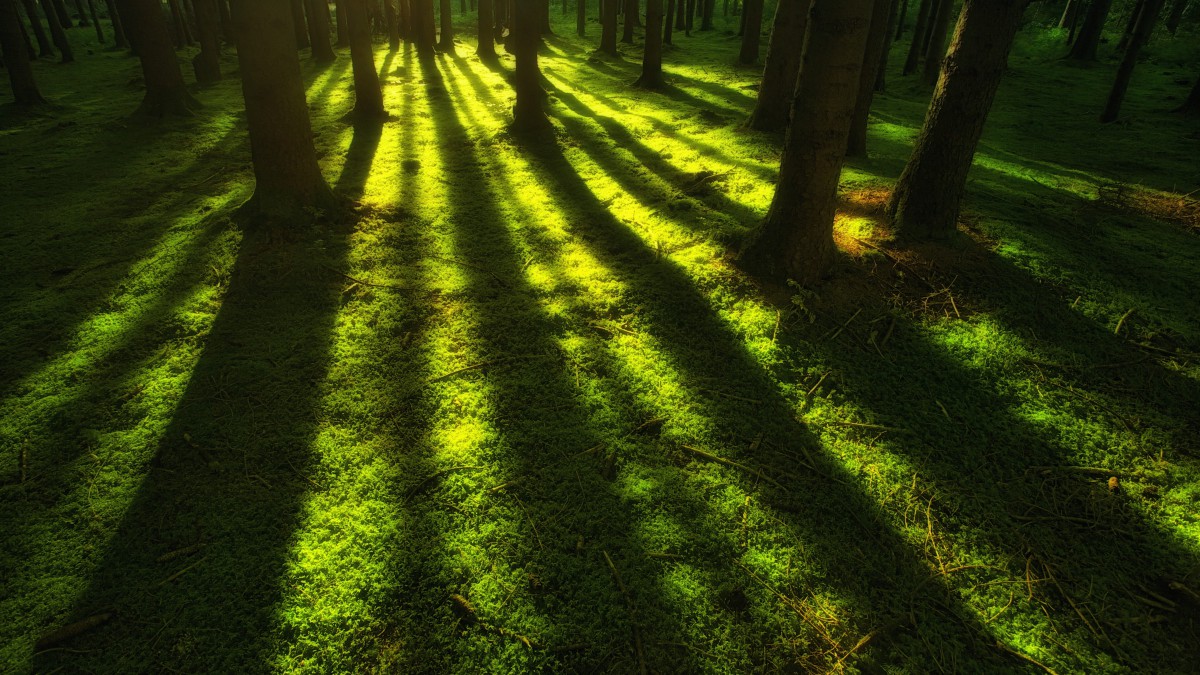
(629, 336)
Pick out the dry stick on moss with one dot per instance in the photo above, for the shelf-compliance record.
(178, 553)
(530, 519)
(838, 330)
(637, 637)
(181, 572)
(729, 462)
(1121, 322)
(732, 396)
(859, 645)
(1000, 645)
(71, 630)
(360, 282)
(818, 384)
(485, 364)
(473, 266)
(1089, 470)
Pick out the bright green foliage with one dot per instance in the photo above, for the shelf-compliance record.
(517, 363)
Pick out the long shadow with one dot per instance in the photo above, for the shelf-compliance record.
(190, 578)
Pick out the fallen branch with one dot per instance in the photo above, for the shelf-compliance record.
(361, 282)
(637, 637)
(71, 630)
(730, 463)
(1003, 647)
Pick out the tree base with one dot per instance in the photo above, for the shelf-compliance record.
(650, 82)
(178, 103)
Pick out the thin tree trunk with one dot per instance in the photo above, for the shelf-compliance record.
(1176, 16)
(1069, 14)
(341, 29)
(886, 52)
(166, 93)
(183, 37)
(1131, 24)
(796, 240)
(45, 48)
(16, 58)
(226, 22)
(288, 182)
(784, 55)
(64, 17)
(753, 32)
(913, 60)
(392, 17)
(57, 33)
(446, 42)
(96, 21)
(681, 15)
(608, 31)
(901, 20)
(669, 22)
(938, 29)
(207, 63)
(423, 26)
(299, 25)
(631, 12)
(652, 77)
(1141, 35)
(487, 46)
(877, 42)
(528, 113)
(83, 20)
(928, 196)
(1086, 43)
(706, 14)
(368, 97)
(1192, 105)
(581, 18)
(318, 30)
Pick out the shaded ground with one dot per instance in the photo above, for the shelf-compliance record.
(523, 415)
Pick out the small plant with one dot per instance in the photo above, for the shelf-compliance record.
(803, 300)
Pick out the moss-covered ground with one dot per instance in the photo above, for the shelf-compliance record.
(520, 413)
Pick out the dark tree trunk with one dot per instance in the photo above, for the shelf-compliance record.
(487, 45)
(120, 40)
(392, 17)
(500, 16)
(1141, 34)
(796, 239)
(784, 54)
(299, 25)
(886, 52)
(631, 12)
(226, 22)
(753, 32)
(608, 29)
(1069, 14)
(183, 37)
(31, 54)
(96, 21)
(877, 42)
(652, 77)
(423, 27)
(318, 31)
(64, 17)
(44, 46)
(528, 112)
(1176, 15)
(681, 15)
(928, 196)
(341, 29)
(669, 22)
(938, 28)
(207, 63)
(446, 42)
(1088, 40)
(368, 97)
(706, 14)
(166, 93)
(1192, 105)
(544, 8)
(83, 20)
(288, 182)
(913, 60)
(57, 33)
(691, 16)
(581, 18)
(1131, 24)
(903, 16)
(16, 58)
(406, 19)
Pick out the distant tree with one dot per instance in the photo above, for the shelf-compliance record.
(318, 31)
(207, 63)
(608, 27)
(630, 12)
(529, 115)
(912, 60)
(299, 25)
(939, 26)
(341, 30)
(1134, 16)
(1141, 34)
(796, 239)
(368, 98)
(288, 182)
(57, 33)
(752, 32)
(784, 54)
(79, 12)
(392, 19)
(16, 57)
(1192, 105)
(877, 42)
(43, 40)
(652, 77)
(681, 15)
(486, 49)
(668, 22)
(1175, 16)
(1088, 39)
(1070, 14)
(885, 54)
(64, 17)
(580, 17)
(423, 27)
(928, 196)
(446, 40)
(226, 22)
(91, 4)
(120, 41)
(166, 94)
(706, 14)
(183, 36)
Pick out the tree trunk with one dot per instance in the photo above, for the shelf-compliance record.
(226, 22)
(341, 29)
(288, 182)
(544, 19)
(706, 14)
(581, 18)
(928, 196)
(1141, 34)
(631, 12)
(299, 26)
(44, 46)
(689, 19)
(83, 20)
(1131, 24)
(64, 17)
(652, 77)
(446, 42)
(16, 58)
(166, 93)
(1176, 15)
(877, 42)
(406, 19)
(886, 52)
(796, 239)
(423, 26)
(608, 30)
(680, 15)
(183, 37)
(368, 97)
(913, 60)
(318, 30)
(903, 16)
(1088, 40)
(784, 54)
(57, 33)
(669, 22)
(528, 113)
(1192, 105)
(487, 46)
(753, 32)
(96, 21)
(392, 17)
(207, 63)
(1069, 14)
(938, 28)
(500, 16)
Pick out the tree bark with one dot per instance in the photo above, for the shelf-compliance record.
(226, 22)
(96, 21)
(581, 18)
(668, 22)
(487, 46)
(423, 27)
(928, 196)
(608, 30)
(913, 60)
(784, 54)
(1088, 40)
(796, 239)
(446, 41)
(652, 77)
(886, 52)
(183, 36)
(299, 25)
(753, 32)
(57, 33)
(16, 58)
(39, 32)
(288, 182)
(938, 29)
(706, 14)
(64, 17)
(341, 31)
(318, 30)
(877, 43)
(207, 64)
(631, 12)
(392, 19)
(1141, 35)
(1131, 24)
(1176, 15)
(166, 94)
(1069, 14)
(368, 97)
(83, 20)
(529, 116)
(903, 16)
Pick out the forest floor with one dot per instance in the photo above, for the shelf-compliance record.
(520, 413)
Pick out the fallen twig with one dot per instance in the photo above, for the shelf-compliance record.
(637, 637)
(71, 630)
(1003, 647)
(485, 364)
(361, 282)
(177, 553)
(729, 462)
